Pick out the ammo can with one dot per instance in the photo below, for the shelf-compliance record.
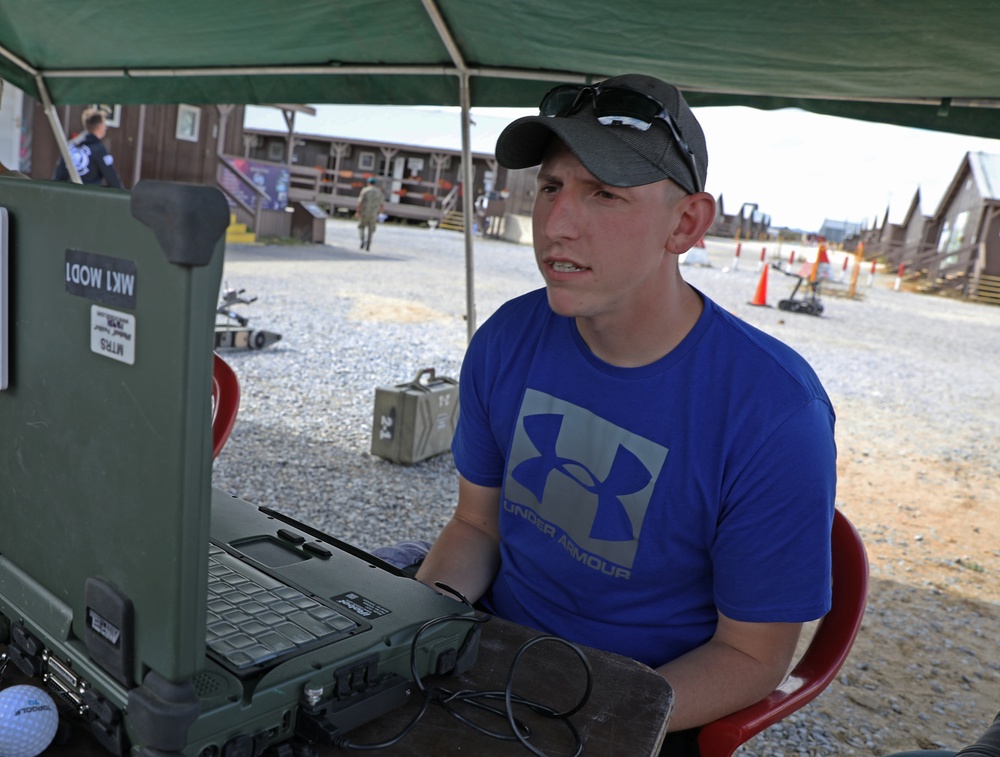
(415, 420)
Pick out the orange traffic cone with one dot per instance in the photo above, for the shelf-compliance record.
(814, 271)
(760, 297)
(821, 259)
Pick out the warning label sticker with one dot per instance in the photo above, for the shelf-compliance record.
(360, 605)
(112, 334)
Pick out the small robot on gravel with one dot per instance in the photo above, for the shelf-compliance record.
(809, 303)
(232, 331)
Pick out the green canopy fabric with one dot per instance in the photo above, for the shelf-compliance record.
(933, 65)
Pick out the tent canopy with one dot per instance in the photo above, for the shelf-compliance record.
(916, 63)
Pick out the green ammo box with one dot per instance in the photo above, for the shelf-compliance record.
(415, 420)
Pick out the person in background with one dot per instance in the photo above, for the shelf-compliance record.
(623, 444)
(91, 158)
(481, 207)
(371, 201)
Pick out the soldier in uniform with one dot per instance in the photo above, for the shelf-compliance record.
(370, 204)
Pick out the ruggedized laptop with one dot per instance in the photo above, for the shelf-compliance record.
(177, 619)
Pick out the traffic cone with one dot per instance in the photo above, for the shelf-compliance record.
(814, 271)
(760, 297)
(822, 259)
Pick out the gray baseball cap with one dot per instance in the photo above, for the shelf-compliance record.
(613, 151)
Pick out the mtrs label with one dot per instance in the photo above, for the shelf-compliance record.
(112, 334)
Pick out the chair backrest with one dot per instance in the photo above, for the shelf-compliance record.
(826, 653)
(225, 403)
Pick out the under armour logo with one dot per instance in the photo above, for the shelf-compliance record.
(627, 475)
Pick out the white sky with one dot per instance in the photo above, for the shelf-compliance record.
(801, 168)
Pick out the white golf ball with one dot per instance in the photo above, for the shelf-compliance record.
(28, 721)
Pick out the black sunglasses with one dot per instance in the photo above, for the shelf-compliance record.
(619, 106)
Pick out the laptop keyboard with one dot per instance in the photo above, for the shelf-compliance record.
(254, 618)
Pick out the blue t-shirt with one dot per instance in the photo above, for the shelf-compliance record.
(636, 501)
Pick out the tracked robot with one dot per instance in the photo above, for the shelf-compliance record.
(232, 331)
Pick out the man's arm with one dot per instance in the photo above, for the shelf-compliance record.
(741, 664)
(466, 555)
(106, 166)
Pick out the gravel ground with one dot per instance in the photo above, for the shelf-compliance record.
(913, 378)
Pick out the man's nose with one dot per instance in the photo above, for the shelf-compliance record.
(561, 217)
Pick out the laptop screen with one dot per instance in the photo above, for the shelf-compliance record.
(105, 425)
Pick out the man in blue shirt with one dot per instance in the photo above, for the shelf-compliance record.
(640, 471)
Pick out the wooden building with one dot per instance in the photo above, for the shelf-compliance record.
(265, 172)
(957, 249)
(909, 243)
(968, 240)
(749, 223)
(164, 142)
(332, 151)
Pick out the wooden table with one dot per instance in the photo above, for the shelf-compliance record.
(627, 711)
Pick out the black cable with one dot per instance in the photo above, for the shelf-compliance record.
(562, 716)
(346, 743)
(519, 731)
(479, 699)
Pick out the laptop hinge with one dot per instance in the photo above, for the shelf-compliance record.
(161, 712)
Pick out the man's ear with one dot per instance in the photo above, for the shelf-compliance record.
(697, 214)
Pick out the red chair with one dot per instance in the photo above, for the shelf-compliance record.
(225, 403)
(827, 650)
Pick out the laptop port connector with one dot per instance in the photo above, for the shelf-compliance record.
(64, 682)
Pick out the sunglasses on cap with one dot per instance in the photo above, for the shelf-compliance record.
(618, 106)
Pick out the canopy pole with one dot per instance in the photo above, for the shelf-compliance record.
(137, 166)
(468, 179)
(468, 172)
(57, 129)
